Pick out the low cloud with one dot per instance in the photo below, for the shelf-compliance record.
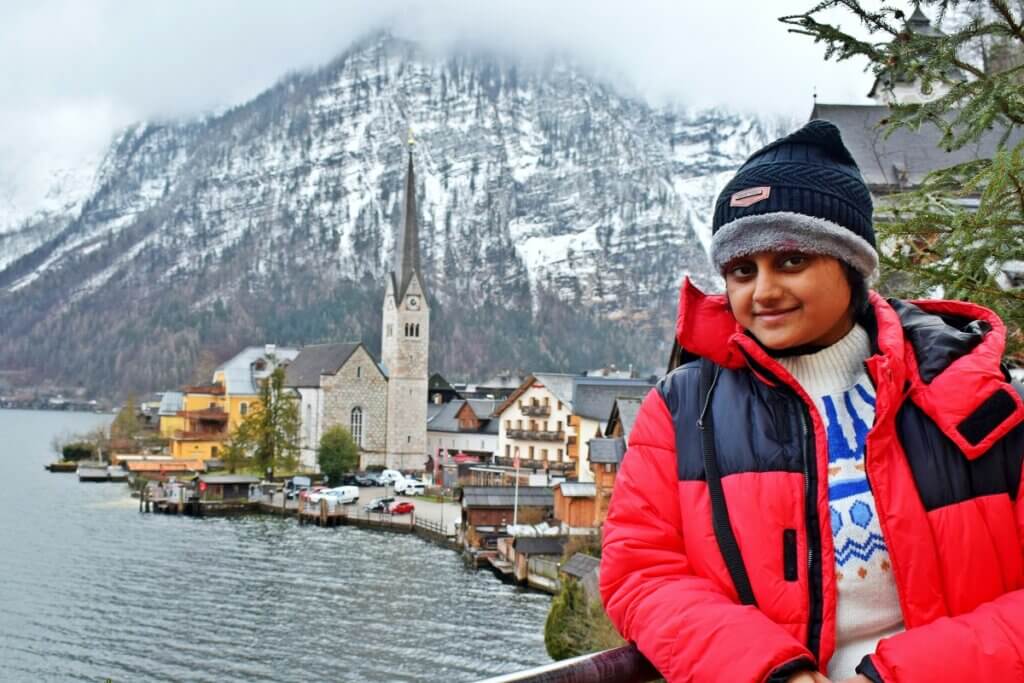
(86, 69)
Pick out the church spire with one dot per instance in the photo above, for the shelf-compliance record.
(407, 251)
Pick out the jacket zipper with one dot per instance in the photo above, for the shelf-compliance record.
(814, 577)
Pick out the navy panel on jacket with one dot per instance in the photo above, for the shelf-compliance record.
(944, 475)
(757, 428)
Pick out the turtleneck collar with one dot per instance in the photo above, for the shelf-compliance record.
(833, 369)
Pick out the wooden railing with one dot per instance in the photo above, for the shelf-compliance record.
(535, 435)
(535, 411)
(620, 665)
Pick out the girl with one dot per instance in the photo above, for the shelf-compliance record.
(832, 486)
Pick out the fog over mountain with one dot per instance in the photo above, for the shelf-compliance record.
(558, 215)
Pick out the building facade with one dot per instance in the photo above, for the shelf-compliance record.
(340, 385)
(549, 420)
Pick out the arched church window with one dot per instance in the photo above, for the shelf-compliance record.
(416, 331)
(356, 424)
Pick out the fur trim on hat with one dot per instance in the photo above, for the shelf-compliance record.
(785, 231)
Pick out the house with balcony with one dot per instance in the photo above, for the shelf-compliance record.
(549, 420)
(209, 413)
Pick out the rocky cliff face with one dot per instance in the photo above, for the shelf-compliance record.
(557, 219)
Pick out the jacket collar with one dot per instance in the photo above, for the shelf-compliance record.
(944, 355)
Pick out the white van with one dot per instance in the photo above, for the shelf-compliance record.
(409, 487)
(341, 495)
(390, 477)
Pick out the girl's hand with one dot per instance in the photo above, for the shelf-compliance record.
(856, 679)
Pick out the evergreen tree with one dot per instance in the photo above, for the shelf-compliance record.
(931, 243)
(337, 454)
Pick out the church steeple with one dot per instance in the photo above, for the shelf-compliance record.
(407, 251)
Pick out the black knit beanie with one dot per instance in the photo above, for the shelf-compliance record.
(802, 192)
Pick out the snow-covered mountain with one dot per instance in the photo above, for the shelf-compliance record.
(550, 202)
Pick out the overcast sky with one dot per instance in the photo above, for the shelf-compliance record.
(75, 71)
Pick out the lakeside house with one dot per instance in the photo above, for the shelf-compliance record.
(209, 413)
(340, 384)
(223, 488)
(487, 511)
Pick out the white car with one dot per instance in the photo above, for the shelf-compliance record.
(341, 495)
(409, 487)
(390, 477)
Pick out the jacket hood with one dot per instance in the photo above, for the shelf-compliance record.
(945, 356)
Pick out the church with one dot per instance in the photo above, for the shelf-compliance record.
(382, 403)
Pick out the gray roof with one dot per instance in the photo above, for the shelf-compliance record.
(595, 396)
(610, 450)
(559, 384)
(433, 410)
(316, 360)
(444, 419)
(579, 565)
(239, 374)
(504, 496)
(228, 479)
(576, 489)
(628, 409)
(539, 545)
(171, 402)
(906, 157)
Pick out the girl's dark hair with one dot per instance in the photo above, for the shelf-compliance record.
(858, 291)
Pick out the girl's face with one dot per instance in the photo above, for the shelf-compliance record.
(789, 299)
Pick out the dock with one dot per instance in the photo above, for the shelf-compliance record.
(323, 514)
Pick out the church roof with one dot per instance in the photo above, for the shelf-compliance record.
(904, 158)
(407, 247)
(316, 360)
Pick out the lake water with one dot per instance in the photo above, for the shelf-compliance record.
(90, 589)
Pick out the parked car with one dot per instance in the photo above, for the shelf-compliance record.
(367, 479)
(341, 495)
(378, 505)
(403, 507)
(409, 487)
(390, 477)
(295, 485)
(349, 479)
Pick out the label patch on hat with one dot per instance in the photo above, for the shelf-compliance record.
(749, 196)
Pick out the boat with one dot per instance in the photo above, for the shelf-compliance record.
(93, 471)
(117, 473)
(62, 466)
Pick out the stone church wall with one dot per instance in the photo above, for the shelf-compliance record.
(359, 383)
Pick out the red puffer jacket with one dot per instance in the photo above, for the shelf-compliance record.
(943, 461)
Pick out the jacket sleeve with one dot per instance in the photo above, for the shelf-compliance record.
(684, 624)
(986, 644)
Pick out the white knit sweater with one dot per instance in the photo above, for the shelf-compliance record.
(868, 607)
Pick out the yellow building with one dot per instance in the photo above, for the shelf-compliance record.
(209, 413)
(171, 403)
